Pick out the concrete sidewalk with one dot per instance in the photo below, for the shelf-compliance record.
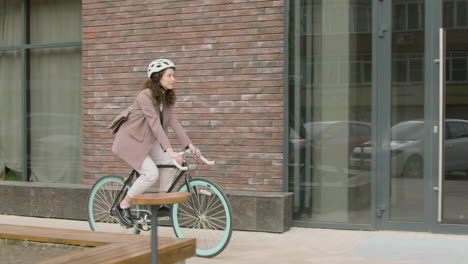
(308, 245)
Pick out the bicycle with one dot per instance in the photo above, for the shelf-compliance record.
(205, 217)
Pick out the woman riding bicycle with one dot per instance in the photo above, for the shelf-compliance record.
(141, 140)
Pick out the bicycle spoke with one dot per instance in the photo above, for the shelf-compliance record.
(218, 214)
(215, 226)
(209, 210)
(105, 193)
(211, 198)
(100, 216)
(100, 196)
(101, 208)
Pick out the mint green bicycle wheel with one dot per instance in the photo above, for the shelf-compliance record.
(100, 200)
(205, 217)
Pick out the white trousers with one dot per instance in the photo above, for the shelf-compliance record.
(149, 173)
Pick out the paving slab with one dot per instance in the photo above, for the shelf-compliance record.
(311, 245)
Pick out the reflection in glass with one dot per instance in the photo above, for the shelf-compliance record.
(10, 115)
(407, 112)
(455, 179)
(330, 110)
(55, 21)
(56, 115)
(10, 22)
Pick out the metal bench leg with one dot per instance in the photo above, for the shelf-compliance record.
(154, 234)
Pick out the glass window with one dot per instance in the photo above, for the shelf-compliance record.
(416, 70)
(10, 22)
(399, 17)
(55, 21)
(448, 13)
(414, 20)
(10, 91)
(458, 68)
(329, 94)
(360, 19)
(56, 115)
(455, 14)
(408, 16)
(10, 115)
(407, 111)
(457, 130)
(42, 106)
(461, 13)
(400, 70)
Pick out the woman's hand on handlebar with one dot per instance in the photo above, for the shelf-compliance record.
(196, 151)
(174, 155)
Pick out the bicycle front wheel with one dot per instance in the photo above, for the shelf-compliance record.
(205, 217)
(101, 197)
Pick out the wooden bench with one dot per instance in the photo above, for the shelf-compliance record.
(155, 200)
(106, 247)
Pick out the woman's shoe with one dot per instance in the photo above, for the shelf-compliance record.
(164, 210)
(124, 215)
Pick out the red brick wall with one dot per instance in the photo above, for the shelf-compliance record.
(229, 57)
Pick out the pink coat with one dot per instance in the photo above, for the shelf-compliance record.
(138, 133)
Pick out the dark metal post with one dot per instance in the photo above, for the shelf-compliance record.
(154, 234)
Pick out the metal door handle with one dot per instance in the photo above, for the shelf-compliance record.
(441, 120)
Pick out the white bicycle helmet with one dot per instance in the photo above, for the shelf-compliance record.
(159, 65)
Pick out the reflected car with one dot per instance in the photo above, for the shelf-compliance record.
(333, 139)
(339, 135)
(407, 149)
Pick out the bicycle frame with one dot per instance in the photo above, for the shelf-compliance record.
(129, 179)
(206, 215)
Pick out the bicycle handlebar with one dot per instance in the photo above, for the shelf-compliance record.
(178, 166)
(189, 151)
(208, 162)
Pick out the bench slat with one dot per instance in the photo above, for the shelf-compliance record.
(110, 247)
(161, 198)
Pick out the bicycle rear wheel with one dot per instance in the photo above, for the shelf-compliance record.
(206, 217)
(100, 200)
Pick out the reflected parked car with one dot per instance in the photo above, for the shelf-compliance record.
(330, 139)
(339, 135)
(407, 149)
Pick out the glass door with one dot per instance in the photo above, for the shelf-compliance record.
(452, 176)
(424, 154)
(407, 110)
(400, 146)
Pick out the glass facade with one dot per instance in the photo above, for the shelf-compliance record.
(55, 21)
(40, 95)
(455, 178)
(407, 112)
(330, 98)
(10, 115)
(420, 127)
(10, 91)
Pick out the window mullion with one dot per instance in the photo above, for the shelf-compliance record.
(25, 122)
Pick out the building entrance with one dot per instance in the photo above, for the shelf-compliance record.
(423, 166)
(377, 112)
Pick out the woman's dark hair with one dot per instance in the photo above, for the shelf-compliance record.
(160, 94)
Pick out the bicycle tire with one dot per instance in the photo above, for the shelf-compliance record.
(100, 199)
(210, 222)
